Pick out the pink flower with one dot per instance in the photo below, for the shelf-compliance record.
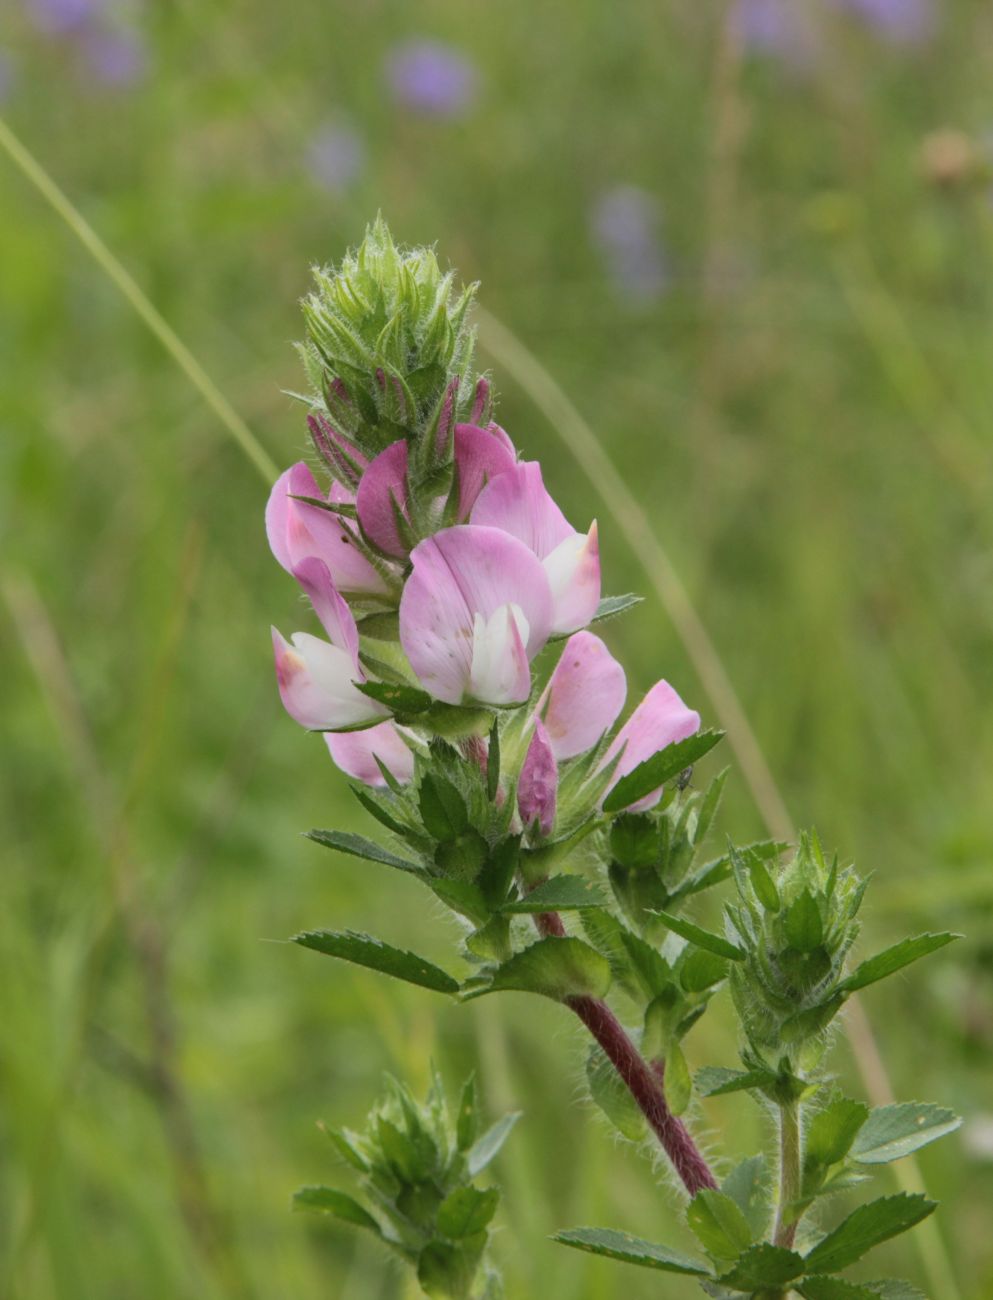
(518, 503)
(383, 498)
(355, 752)
(317, 678)
(298, 531)
(660, 719)
(537, 785)
(475, 610)
(584, 696)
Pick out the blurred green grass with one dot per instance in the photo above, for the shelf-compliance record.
(804, 413)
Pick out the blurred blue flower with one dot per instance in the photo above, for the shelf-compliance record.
(432, 78)
(901, 21)
(115, 56)
(624, 224)
(778, 28)
(335, 156)
(57, 16)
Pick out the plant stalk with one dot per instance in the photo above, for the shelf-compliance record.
(789, 1174)
(638, 1076)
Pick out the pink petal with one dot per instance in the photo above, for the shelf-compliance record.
(499, 672)
(584, 696)
(659, 720)
(297, 530)
(457, 574)
(329, 606)
(517, 502)
(480, 458)
(573, 570)
(317, 684)
(355, 752)
(537, 786)
(383, 491)
(503, 436)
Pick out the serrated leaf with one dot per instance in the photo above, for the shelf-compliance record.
(833, 1130)
(661, 767)
(833, 1288)
(487, 1147)
(892, 1288)
(631, 1250)
(611, 1094)
(554, 968)
(357, 846)
(461, 896)
(867, 1227)
(715, 1081)
(764, 1266)
(719, 1224)
(892, 1132)
(701, 970)
(442, 808)
(649, 966)
(802, 923)
(893, 959)
(446, 1271)
(376, 809)
(344, 1144)
(327, 1200)
(763, 884)
(611, 606)
(558, 894)
(747, 1185)
(702, 938)
(677, 1082)
(466, 1211)
(709, 805)
(363, 950)
(404, 700)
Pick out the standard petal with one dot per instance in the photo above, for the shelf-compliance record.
(499, 672)
(584, 696)
(502, 434)
(317, 684)
(457, 574)
(355, 752)
(517, 502)
(537, 786)
(659, 720)
(479, 457)
(573, 570)
(329, 606)
(297, 530)
(382, 496)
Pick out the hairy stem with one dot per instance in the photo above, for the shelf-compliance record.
(789, 1174)
(639, 1078)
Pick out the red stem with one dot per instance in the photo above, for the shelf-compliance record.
(644, 1084)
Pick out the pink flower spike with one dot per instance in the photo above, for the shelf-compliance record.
(460, 573)
(573, 570)
(382, 492)
(518, 503)
(537, 786)
(480, 399)
(355, 752)
(659, 720)
(479, 458)
(317, 684)
(297, 530)
(445, 420)
(329, 606)
(584, 696)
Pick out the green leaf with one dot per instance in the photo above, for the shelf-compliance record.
(802, 923)
(493, 762)
(554, 968)
(661, 767)
(488, 1146)
(446, 1271)
(403, 700)
(702, 938)
(748, 1186)
(466, 1210)
(461, 896)
(363, 950)
(833, 1130)
(892, 1288)
(443, 810)
(701, 970)
(344, 1144)
(467, 1120)
(357, 846)
(611, 606)
(370, 801)
(677, 1083)
(833, 1288)
(328, 1201)
(610, 1093)
(708, 807)
(763, 884)
(630, 1250)
(650, 967)
(719, 1224)
(559, 894)
(892, 1132)
(894, 959)
(715, 1081)
(764, 1266)
(867, 1227)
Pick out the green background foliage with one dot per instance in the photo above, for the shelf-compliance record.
(804, 414)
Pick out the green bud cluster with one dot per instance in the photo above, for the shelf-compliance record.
(795, 932)
(389, 350)
(417, 1168)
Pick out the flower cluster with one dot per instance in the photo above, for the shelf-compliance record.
(436, 561)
